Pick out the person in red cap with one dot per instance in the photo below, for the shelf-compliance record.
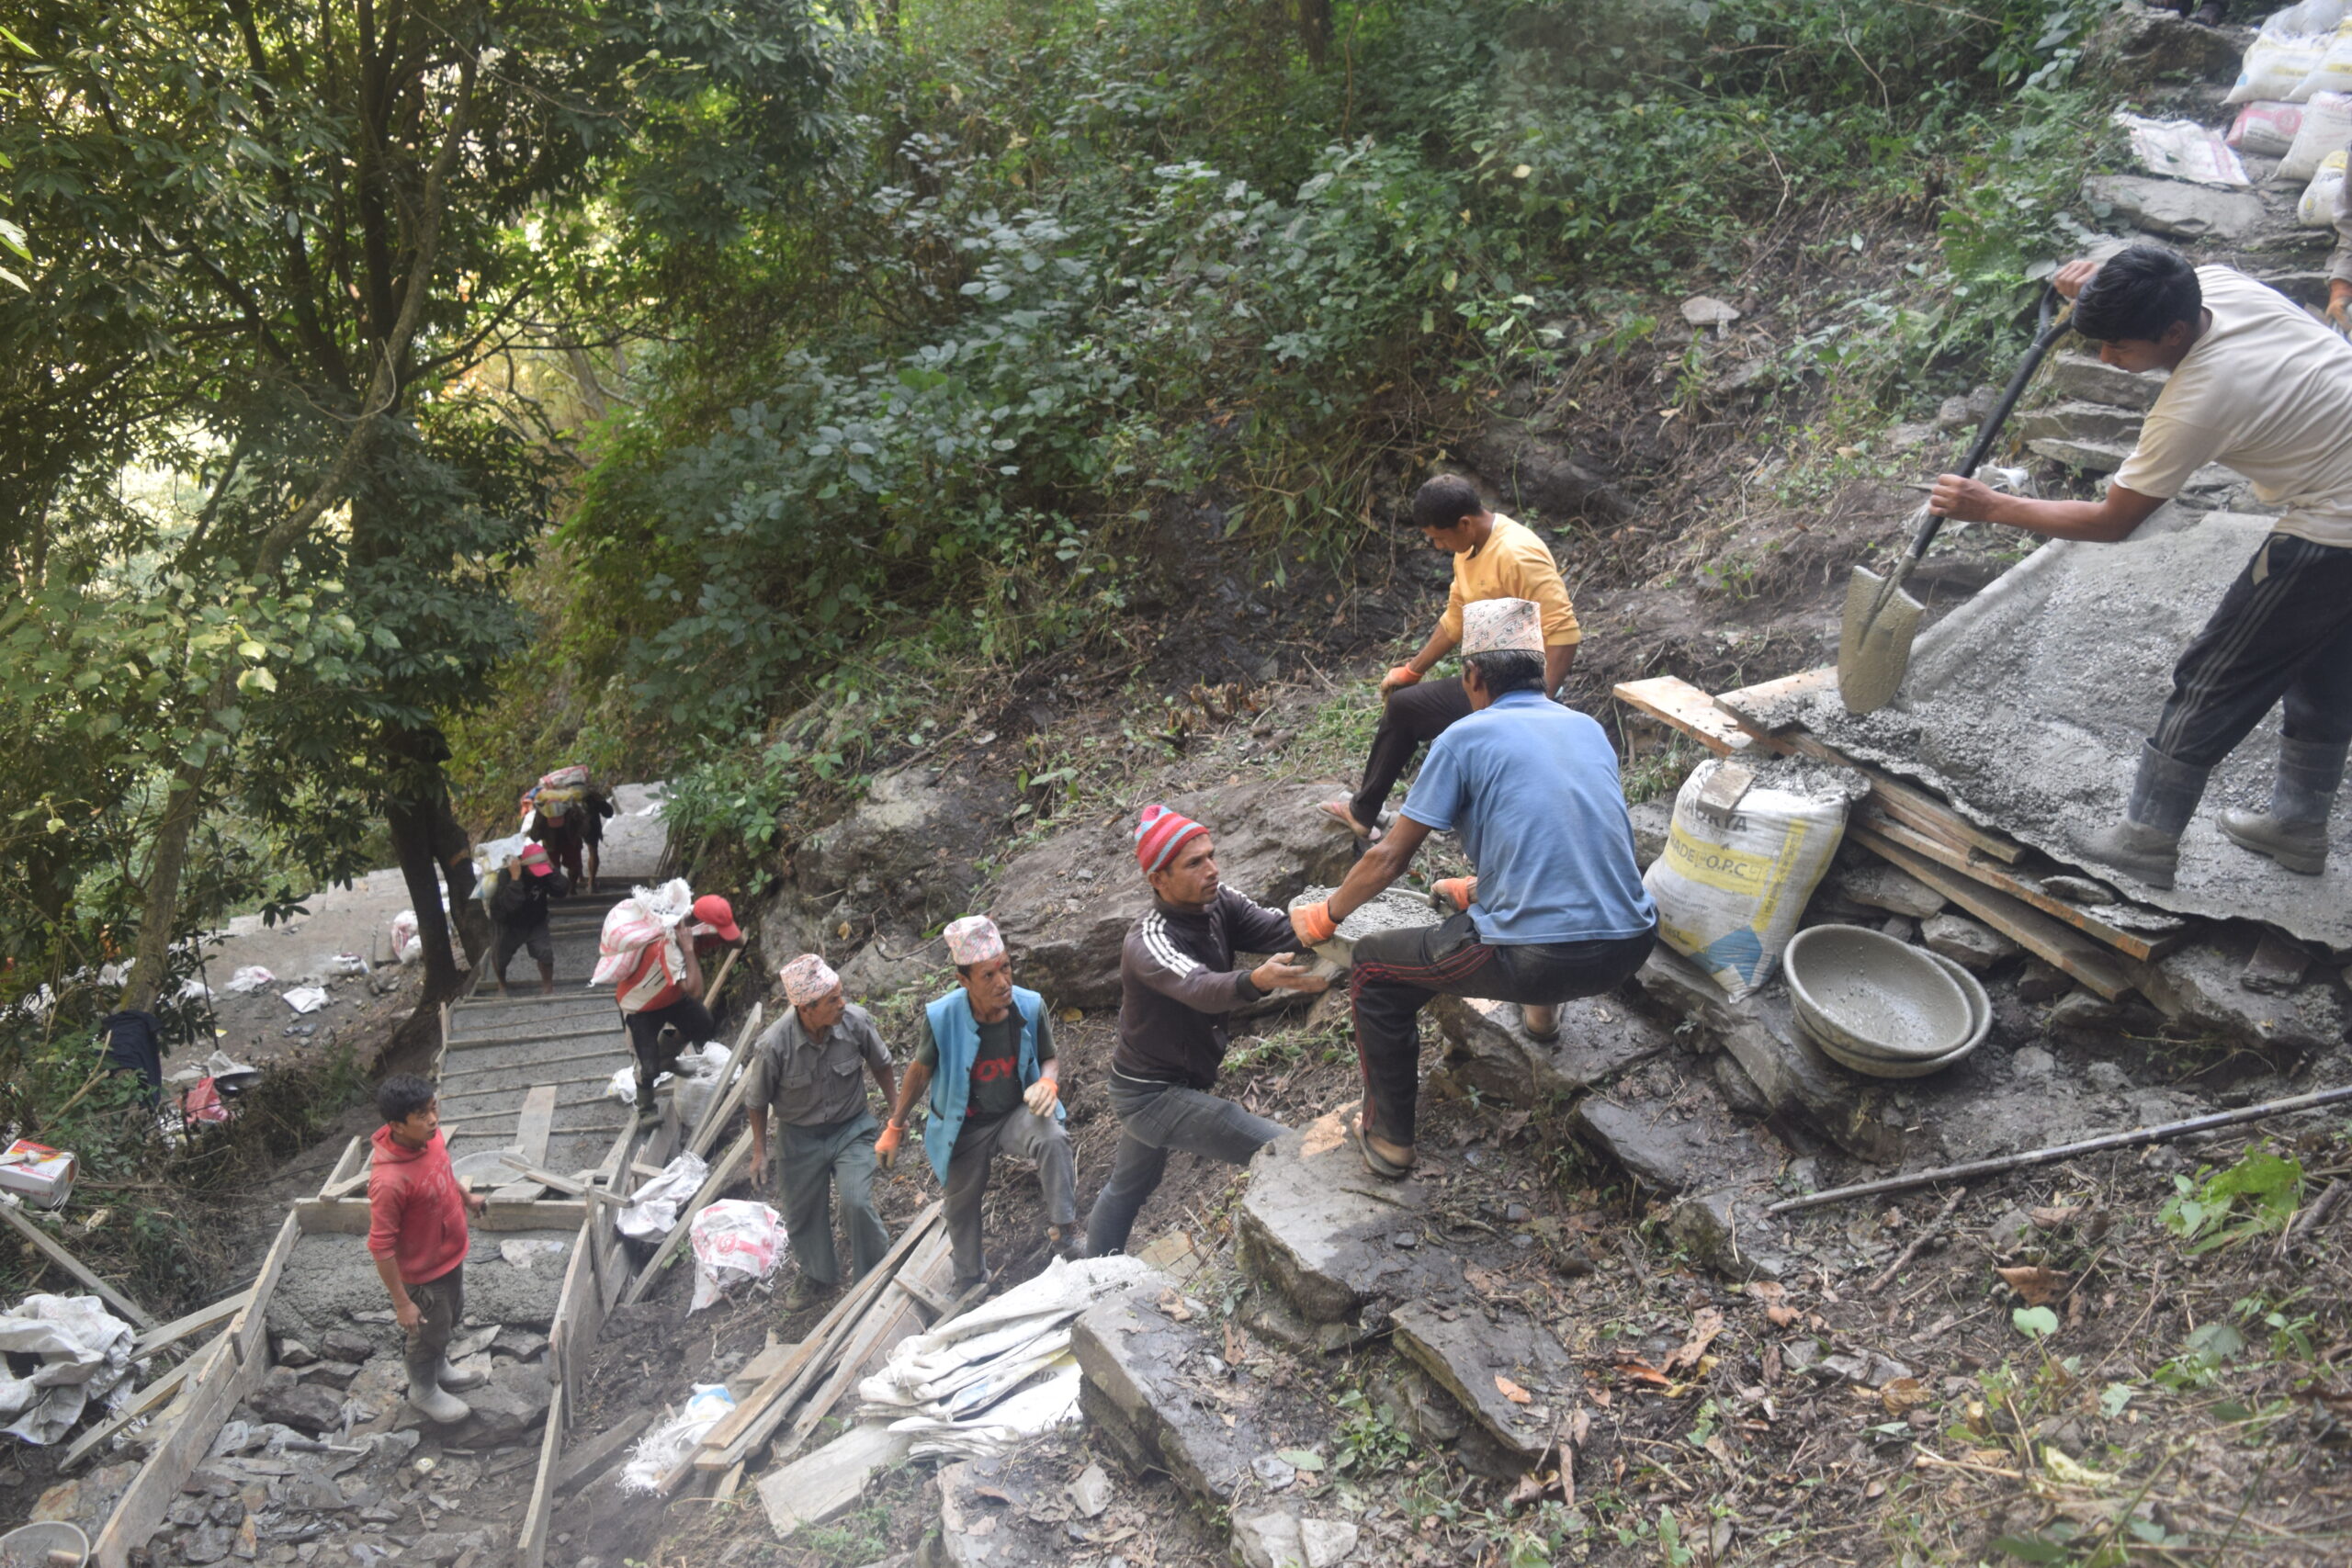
(664, 1020)
(1178, 981)
(518, 908)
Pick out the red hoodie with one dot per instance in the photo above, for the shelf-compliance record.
(416, 1211)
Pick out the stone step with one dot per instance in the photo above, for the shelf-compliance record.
(2080, 422)
(2177, 209)
(2087, 377)
(1489, 1050)
(1471, 1353)
(1143, 1367)
(1337, 1242)
(2091, 457)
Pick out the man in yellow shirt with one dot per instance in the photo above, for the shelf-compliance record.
(1494, 557)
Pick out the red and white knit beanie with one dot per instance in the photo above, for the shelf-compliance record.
(1158, 832)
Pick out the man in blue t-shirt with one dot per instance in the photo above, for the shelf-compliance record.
(1556, 910)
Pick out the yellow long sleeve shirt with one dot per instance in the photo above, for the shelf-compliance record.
(1512, 564)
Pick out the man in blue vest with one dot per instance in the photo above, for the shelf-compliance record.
(986, 1053)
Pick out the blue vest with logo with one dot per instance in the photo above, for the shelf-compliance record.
(958, 1034)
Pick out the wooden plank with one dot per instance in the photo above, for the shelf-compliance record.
(2130, 943)
(55, 1252)
(721, 1174)
(886, 1324)
(561, 1183)
(1677, 704)
(814, 1488)
(329, 1216)
(350, 1172)
(594, 1102)
(579, 1314)
(773, 1394)
(179, 1328)
(936, 1299)
(531, 1543)
(2105, 972)
(1744, 703)
(511, 1088)
(616, 1042)
(154, 1396)
(583, 1462)
(715, 1114)
(532, 1123)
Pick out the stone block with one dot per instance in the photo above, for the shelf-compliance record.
(1653, 819)
(1728, 1237)
(305, 1406)
(2080, 422)
(2042, 981)
(2138, 46)
(2091, 457)
(344, 1345)
(2197, 988)
(1965, 942)
(1284, 1537)
(996, 1513)
(1394, 910)
(1464, 1353)
(1881, 886)
(1488, 1049)
(2175, 208)
(1141, 1368)
(2092, 379)
(1662, 1153)
(1317, 1226)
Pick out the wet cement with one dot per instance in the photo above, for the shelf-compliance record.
(2028, 705)
(331, 1279)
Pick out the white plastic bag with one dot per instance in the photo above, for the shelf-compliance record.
(733, 1239)
(1729, 894)
(305, 998)
(407, 945)
(647, 915)
(83, 1353)
(2182, 150)
(2334, 72)
(2325, 127)
(653, 1211)
(2266, 128)
(2290, 46)
(661, 1450)
(248, 980)
(2317, 209)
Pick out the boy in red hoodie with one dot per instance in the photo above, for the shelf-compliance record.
(417, 1235)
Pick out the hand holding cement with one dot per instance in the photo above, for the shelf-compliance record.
(1962, 501)
(1290, 974)
(1312, 924)
(1039, 1096)
(2073, 275)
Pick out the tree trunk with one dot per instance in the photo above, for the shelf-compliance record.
(421, 869)
(454, 846)
(161, 907)
(1314, 29)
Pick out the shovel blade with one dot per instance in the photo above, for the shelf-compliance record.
(1874, 653)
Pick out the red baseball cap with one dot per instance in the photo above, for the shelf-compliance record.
(719, 915)
(534, 860)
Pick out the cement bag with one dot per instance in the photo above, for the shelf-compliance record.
(648, 915)
(2182, 150)
(2326, 126)
(733, 1239)
(2290, 46)
(2266, 129)
(1729, 894)
(2317, 209)
(2333, 73)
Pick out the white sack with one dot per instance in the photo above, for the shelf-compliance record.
(248, 980)
(1729, 894)
(2266, 128)
(2334, 72)
(2290, 46)
(659, 1451)
(734, 1239)
(2326, 128)
(653, 1211)
(84, 1353)
(2182, 150)
(2317, 209)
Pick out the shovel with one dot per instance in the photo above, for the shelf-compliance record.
(1874, 647)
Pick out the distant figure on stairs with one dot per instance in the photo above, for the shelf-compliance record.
(518, 908)
(1557, 909)
(1177, 984)
(1494, 557)
(665, 1010)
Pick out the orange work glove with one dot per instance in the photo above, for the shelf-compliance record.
(1458, 891)
(1403, 675)
(886, 1147)
(1312, 923)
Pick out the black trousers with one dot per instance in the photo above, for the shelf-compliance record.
(1410, 718)
(694, 1025)
(2282, 631)
(1397, 971)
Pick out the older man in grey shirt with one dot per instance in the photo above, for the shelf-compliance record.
(809, 1071)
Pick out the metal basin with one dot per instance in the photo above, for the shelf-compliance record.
(1980, 1008)
(1875, 997)
(29, 1546)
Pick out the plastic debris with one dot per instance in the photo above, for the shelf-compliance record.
(305, 998)
(734, 1239)
(661, 1450)
(653, 1211)
(83, 1353)
(248, 980)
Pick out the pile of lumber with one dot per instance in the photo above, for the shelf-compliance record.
(2103, 946)
(904, 1294)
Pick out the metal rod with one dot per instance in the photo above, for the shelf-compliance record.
(2164, 1133)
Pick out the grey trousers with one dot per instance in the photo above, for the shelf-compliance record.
(1153, 1119)
(441, 1306)
(1030, 1136)
(811, 1163)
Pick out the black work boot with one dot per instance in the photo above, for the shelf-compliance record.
(2294, 830)
(2145, 846)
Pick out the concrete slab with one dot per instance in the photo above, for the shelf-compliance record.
(2026, 707)
(1322, 1230)
(1147, 1384)
(1472, 1357)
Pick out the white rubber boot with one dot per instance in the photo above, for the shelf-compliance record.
(450, 1377)
(437, 1404)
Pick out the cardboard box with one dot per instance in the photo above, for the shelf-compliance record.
(38, 1173)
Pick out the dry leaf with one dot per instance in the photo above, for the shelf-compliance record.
(2048, 1217)
(1235, 1353)
(1512, 1391)
(2038, 1285)
(1531, 1485)
(1782, 1316)
(1875, 1489)
(1173, 1307)
(1486, 1281)
(1601, 1397)
(1580, 1429)
(1703, 1329)
(1767, 1289)
(1645, 1373)
(1326, 1133)
(1902, 1394)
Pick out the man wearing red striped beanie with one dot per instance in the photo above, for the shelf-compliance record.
(1178, 981)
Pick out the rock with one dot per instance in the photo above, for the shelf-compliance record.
(1798, 1355)
(1788, 1071)
(985, 1508)
(314, 1493)
(1537, 477)
(2090, 457)
(2041, 981)
(2136, 46)
(2197, 988)
(1281, 1537)
(1883, 886)
(1065, 935)
(1965, 942)
(1140, 1368)
(2092, 379)
(905, 856)
(2306, 288)
(294, 1353)
(1652, 821)
(305, 1406)
(1726, 1239)
(1315, 1226)
(331, 1374)
(341, 1345)
(1089, 1494)
(1705, 310)
(1466, 1354)
(2080, 422)
(2033, 1062)
(1488, 1050)
(1416, 1403)
(1739, 1090)
(512, 1403)
(1909, 437)
(522, 1344)
(207, 1543)
(2105, 1077)
(1273, 1471)
(1660, 1152)
(441, 1547)
(2175, 208)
